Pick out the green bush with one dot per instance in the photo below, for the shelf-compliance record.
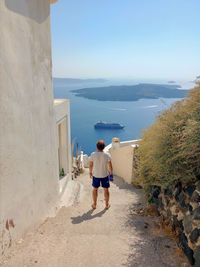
(170, 149)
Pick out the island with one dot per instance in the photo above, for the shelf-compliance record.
(132, 92)
(171, 82)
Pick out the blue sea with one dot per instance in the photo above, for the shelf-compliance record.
(136, 116)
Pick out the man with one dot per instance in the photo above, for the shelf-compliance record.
(100, 168)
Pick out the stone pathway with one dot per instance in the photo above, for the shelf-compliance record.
(81, 237)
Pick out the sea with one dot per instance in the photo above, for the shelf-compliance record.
(137, 116)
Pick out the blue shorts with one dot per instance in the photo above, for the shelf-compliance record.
(103, 181)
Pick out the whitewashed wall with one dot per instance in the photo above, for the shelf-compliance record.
(122, 161)
(122, 158)
(28, 146)
(62, 112)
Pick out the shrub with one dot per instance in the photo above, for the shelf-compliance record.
(170, 149)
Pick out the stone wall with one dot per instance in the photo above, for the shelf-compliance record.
(180, 206)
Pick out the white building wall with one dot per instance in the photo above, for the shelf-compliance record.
(122, 161)
(62, 111)
(122, 158)
(29, 185)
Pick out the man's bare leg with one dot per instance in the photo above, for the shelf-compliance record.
(95, 195)
(106, 195)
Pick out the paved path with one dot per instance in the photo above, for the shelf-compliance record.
(81, 237)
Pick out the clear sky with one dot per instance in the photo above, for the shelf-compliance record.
(126, 39)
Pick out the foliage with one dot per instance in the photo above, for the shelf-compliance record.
(170, 149)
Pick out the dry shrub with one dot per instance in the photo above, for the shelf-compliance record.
(170, 149)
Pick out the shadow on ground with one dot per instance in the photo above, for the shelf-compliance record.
(87, 216)
(121, 184)
(151, 248)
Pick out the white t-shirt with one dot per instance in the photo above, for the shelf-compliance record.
(100, 164)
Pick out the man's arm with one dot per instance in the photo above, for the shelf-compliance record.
(91, 168)
(110, 167)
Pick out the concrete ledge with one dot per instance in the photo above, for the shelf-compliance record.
(63, 183)
(71, 194)
(122, 144)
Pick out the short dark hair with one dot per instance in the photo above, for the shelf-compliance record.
(100, 144)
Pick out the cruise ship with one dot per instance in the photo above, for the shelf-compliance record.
(107, 125)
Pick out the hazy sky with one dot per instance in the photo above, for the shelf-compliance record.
(126, 38)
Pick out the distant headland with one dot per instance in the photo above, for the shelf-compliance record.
(171, 82)
(132, 92)
(64, 81)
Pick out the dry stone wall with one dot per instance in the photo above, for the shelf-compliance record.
(180, 206)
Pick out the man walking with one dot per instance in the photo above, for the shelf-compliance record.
(100, 168)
